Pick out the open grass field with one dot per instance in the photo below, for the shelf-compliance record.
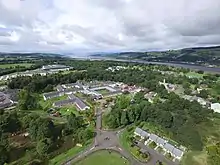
(2, 66)
(194, 75)
(67, 110)
(68, 154)
(103, 158)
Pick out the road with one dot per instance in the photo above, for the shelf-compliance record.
(110, 140)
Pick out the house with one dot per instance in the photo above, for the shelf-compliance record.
(62, 103)
(139, 132)
(160, 141)
(78, 102)
(168, 148)
(52, 95)
(60, 88)
(153, 137)
(215, 107)
(4, 101)
(175, 152)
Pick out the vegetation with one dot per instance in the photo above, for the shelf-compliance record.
(186, 122)
(104, 157)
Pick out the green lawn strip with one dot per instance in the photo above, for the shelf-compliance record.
(103, 158)
(103, 91)
(2, 66)
(68, 154)
(127, 145)
(152, 145)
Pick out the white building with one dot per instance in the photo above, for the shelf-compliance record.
(215, 107)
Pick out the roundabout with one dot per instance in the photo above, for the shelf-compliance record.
(104, 141)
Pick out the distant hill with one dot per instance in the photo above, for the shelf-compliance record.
(198, 55)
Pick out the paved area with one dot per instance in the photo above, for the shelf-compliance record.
(110, 140)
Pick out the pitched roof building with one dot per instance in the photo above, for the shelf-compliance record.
(51, 95)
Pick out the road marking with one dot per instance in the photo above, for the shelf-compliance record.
(119, 148)
(91, 148)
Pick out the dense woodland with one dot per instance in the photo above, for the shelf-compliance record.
(45, 136)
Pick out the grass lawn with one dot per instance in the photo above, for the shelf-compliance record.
(2, 66)
(152, 145)
(103, 91)
(68, 154)
(194, 75)
(194, 158)
(103, 158)
(67, 110)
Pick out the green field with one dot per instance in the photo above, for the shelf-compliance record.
(194, 75)
(103, 91)
(2, 66)
(103, 158)
(68, 154)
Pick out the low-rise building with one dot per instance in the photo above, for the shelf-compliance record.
(175, 152)
(51, 95)
(160, 142)
(56, 67)
(5, 102)
(215, 107)
(139, 132)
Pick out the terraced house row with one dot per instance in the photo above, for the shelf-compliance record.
(163, 143)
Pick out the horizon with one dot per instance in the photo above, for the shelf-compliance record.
(72, 26)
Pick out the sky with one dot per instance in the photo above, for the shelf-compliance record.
(107, 25)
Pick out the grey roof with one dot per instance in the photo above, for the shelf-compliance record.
(144, 134)
(160, 141)
(138, 131)
(177, 152)
(72, 96)
(4, 101)
(153, 137)
(51, 94)
(60, 88)
(169, 147)
(63, 102)
(80, 104)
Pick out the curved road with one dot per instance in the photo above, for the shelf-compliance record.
(110, 140)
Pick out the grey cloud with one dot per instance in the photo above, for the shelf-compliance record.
(142, 24)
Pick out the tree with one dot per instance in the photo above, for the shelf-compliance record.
(124, 118)
(27, 101)
(43, 147)
(204, 94)
(41, 129)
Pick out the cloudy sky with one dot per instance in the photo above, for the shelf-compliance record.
(108, 25)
